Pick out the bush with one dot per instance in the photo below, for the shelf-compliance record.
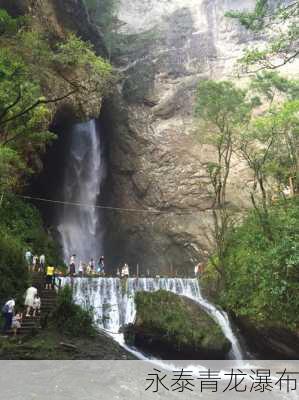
(262, 276)
(70, 318)
(13, 272)
(177, 321)
(23, 221)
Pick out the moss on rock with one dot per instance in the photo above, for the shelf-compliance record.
(177, 326)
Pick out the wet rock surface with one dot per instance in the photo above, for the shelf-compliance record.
(157, 160)
(269, 342)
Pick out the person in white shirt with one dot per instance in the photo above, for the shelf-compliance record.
(8, 310)
(34, 263)
(125, 271)
(42, 262)
(28, 257)
(31, 293)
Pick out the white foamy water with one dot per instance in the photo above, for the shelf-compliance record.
(114, 306)
(80, 227)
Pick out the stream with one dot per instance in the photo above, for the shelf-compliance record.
(81, 230)
(114, 307)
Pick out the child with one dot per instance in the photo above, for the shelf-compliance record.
(16, 323)
(36, 305)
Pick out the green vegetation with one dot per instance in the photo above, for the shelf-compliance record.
(13, 271)
(255, 19)
(262, 276)
(222, 110)
(29, 64)
(51, 344)
(177, 322)
(104, 14)
(281, 26)
(34, 63)
(21, 228)
(256, 262)
(23, 221)
(71, 319)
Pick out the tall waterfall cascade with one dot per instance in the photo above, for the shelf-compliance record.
(79, 225)
(114, 306)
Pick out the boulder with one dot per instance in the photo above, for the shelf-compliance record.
(269, 341)
(175, 327)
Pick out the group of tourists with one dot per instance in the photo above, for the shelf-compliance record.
(83, 269)
(91, 268)
(35, 263)
(12, 318)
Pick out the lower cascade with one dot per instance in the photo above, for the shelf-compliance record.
(114, 305)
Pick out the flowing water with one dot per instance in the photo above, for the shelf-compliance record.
(114, 305)
(80, 226)
(82, 233)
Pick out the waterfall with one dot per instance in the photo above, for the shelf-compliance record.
(79, 226)
(114, 306)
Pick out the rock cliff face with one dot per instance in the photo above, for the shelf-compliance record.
(156, 159)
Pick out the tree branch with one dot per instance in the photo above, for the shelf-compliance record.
(36, 104)
(5, 111)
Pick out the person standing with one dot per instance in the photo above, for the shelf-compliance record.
(16, 323)
(8, 310)
(125, 273)
(49, 277)
(34, 263)
(42, 263)
(101, 264)
(92, 265)
(80, 269)
(72, 269)
(88, 269)
(28, 258)
(36, 305)
(31, 292)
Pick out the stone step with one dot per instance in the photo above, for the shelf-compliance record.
(48, 301)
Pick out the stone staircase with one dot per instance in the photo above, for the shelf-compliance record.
(31, 325)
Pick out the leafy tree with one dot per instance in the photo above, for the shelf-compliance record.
(269, 144)
(262, 275)
(223, 109)
(28, 62)
(270, 85)
(23, 221)
(12, 267)
(75, 52)
(11, 167)
(255, 19)
(282, 28)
